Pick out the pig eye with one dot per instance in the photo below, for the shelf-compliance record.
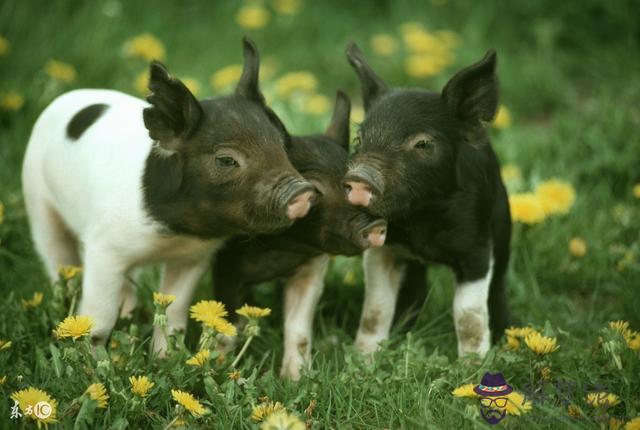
(424, 144)
(226, 161)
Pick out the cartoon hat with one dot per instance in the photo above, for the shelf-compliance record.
(493, 384)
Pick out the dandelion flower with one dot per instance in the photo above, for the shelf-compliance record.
(141, 83)
(621, 327)
(253, 17)
(74, 327)
(633, 340)
(234, 376)
(223, 327)
(465, 390)
(418, 40)
(502, 119)
(517, 405)
(226, 77)
(60, 71)
(141, 385)
(287, 7)
(262, 411)
(98, 393)
(192, 85)
(602, 400)
(5, 46)
(5, 344)
(540, 344)
(301, 81)
(163, 299)
(11, 101)
(573, 411)
(46, 405)
(426, 65)
(200, 359)
(615, 423)
(510, 172)
(526, 208)
(282, 421)
(556, 196)
(636, 191)
(384, 44)
(357, 114)
(33, 302)
(206, 310)
(190, 403)
(68, 272)
(512, 343)
(577, 247)
(145, 46)
(317, 104)
(634, 424)
(253, 312)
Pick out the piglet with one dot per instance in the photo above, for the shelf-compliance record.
(300, 255)
(425, 164)
(112, 182)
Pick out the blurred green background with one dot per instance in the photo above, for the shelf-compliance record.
(570, 97)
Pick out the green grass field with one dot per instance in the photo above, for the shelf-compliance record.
(569, 79)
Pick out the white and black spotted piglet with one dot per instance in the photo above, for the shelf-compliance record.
(112, 182)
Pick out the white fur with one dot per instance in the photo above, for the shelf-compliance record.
(302, 292)
(85, 204)
(471, 315)
(382, 282)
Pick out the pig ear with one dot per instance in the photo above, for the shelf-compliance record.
(248, 85)
(174, 113)
(472, 94)
(338, 129)
(372, 86)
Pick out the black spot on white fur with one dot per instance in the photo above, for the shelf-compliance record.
(82, 120)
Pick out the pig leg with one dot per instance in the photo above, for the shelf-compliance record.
(129, 299)
(383, 276)
(471, 314)
(180, 278)
(302, 292)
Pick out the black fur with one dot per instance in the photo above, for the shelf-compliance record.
(82, 120)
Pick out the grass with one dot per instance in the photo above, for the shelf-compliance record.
(569, 79)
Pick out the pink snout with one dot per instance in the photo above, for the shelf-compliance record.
(299, 206)
(358, 193)
(376, 236)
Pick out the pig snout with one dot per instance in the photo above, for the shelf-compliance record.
(300, 204)
(361, 187)
(374, 235)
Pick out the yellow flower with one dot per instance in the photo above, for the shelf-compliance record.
(540, 344)
(602, 400)
(140, 385)
(207, 310)
(621, 327)
(577, 247)
(636, 191)
(192, 84)
(223, 327)
(163, 299)
(74, 327)
(145, 46)
(200, 359)
(447, 38)
(234, 376)
(634, 424)
(512, 343)
(282, 421)
(5, 46)
(573, 411)
(615, 424)
(287, 7)
(141, 83)
(357, 114)
(545, 373)
(46, 405)
(517, 404)
(465, 390)
(5, 344)
(226, 77)
(633, 340)
(11, 100)
(425, 65)
(384, 44)
(3, 379)
(290, 83)
(252, 17)
(61, 71)
(189, 402)
(510, 172)
(418, 40)
(263, 410)
(98, 393)
(33, 302)
(253, 312)
(317, 104)
(526, 208)
(67, 272)
(556, 196)
(502, 119)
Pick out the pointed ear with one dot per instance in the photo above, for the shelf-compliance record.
(372, 86)
(338, 129)
(174, 113)
(472, 94)
(248, 85)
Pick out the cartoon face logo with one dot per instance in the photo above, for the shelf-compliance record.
(493, 390)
